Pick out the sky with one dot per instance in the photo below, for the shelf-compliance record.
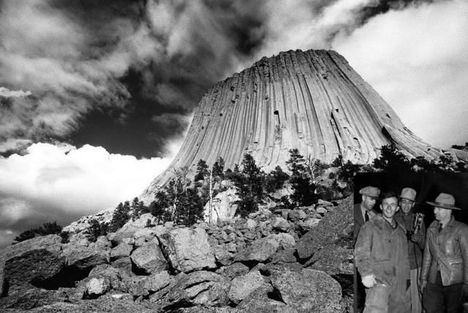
(95, 96)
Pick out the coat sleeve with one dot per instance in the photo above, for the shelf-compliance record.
(362, 250)
(464, 250)
(427, 259)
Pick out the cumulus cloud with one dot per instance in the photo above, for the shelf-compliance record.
(417, 60)
(62, 182)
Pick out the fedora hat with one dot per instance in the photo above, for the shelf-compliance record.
(445, 201)
(370, 191)
(408, 193)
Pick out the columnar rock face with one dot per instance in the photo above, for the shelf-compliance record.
(313, 101)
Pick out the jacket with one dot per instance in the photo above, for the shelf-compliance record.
(382, 250)
(416, 243)
(446, 251)
(359, 220)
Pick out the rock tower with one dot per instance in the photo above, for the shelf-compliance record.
(310, 100)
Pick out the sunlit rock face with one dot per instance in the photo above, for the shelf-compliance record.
(313, 101)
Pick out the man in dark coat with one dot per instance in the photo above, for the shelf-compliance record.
(381, 256)
(415, 232)
(363, 212)
(445, 262)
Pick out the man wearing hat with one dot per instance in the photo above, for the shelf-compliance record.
(363, 212)
(381, 256)
(415, 230)
(444, 275)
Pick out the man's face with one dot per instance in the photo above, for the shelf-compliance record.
(368, 202)
(406, 205)
(389, 207)
(442, 214)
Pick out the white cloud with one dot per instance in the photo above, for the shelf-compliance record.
(417, 59)
(60, 180)
(7, 93)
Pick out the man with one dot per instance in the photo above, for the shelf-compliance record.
(415, 233)
(445, 263)
(381, 256)
(363, 212)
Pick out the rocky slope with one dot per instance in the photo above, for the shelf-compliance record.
(276, 260)
(310, 100)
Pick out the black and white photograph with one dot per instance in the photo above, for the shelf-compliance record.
(233, 156)
(410, 231)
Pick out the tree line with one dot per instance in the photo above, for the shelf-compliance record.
(182, 200)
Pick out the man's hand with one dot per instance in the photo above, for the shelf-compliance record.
(369, 281)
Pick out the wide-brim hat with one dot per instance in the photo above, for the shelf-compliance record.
(370, 191)
(408, 194)
(445, 201)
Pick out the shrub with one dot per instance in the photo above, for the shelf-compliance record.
(45, 229)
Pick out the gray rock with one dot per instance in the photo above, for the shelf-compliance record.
(259, 302)
(280, 224)
(157, 281)
(35, 259)
(123, 264)
(188, 249)
(198, 288)
(97, 286)
(321, 210)
(250, 223)
(260, 250)
(222, 255)
(297, 215)
(308, 290)
(114, 276)
(149, 258)
(121, 250)
(234, 270)
(284, 256)
(244, 285)
(284, 240)
(137, 228)
(86, 256)
(223, 207)
(25, 299)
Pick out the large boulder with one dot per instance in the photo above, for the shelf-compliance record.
(97, 286)
(84, 257)
(307, 290)
(149, 258)
(333, 227)
(223, 207)
(197, 288)
(260, 250)
(121, 250)
(244, 285)
(188, 249)
(31, 261)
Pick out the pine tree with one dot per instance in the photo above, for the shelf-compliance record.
(202, 170)
(120, 216)
(301, 180)
(249, 185)
(218, 168)
(275, 179)
(159, 206)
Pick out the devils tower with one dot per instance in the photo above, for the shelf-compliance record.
(310, 100)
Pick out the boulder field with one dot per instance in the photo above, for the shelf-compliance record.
(275, 260)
